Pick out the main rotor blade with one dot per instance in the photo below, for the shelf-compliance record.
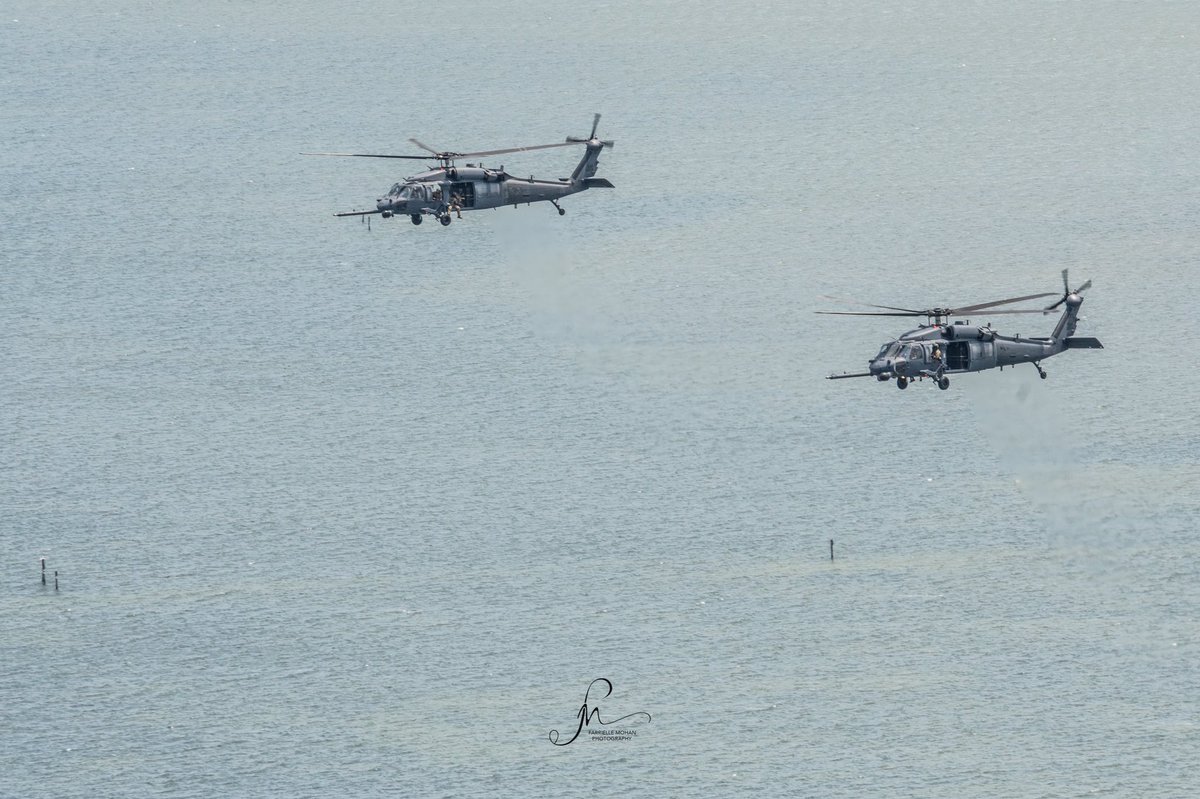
(1027, 310)
(873, 313)
(894, 308)
(373, 155)
(425, 147)
(983, 305)
(513, 150)
(869, 304)
(922, 313)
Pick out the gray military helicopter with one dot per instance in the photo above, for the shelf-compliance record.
(939, 348)
(446, 190)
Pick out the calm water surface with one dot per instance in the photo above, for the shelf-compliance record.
(339, 512)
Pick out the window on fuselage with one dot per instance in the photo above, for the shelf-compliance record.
(915, 352)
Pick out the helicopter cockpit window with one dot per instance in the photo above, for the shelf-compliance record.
(916, 353)
(883, 349)
(395, 190)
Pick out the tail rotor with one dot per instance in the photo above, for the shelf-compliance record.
(591, 137)
(1067, 291)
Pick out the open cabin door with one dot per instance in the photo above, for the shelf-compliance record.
(464, 192)
(958, 355)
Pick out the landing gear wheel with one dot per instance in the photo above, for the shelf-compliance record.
(444, 219)
(417, 219)
(901, 383)
(1042, 374)
(562, 211)
(943, 383)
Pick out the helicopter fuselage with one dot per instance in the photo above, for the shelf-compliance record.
(472, 188)
(946, 349)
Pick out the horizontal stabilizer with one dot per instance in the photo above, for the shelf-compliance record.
(597, 183)
(1084, 344)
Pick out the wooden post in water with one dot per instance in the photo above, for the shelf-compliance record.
(831, 550)
(56, 579)
(43, 571)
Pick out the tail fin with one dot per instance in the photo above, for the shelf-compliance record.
(587, 165)
(1066, 325)
(591, 158)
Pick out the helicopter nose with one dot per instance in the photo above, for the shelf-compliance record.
(879, 366)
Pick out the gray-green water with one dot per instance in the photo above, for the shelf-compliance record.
(349, 513)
